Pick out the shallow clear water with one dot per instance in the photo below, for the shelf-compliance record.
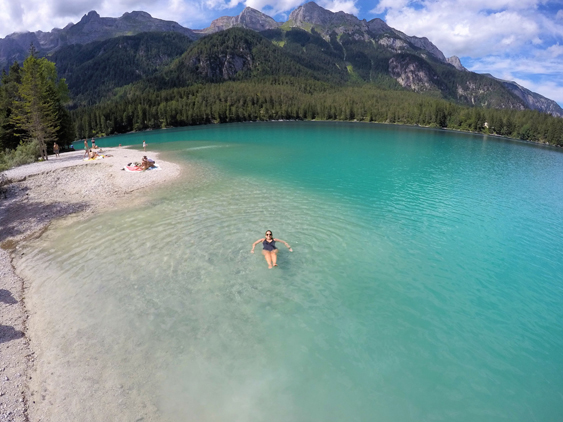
(425, 285)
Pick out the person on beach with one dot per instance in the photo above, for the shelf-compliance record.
(92, 154)
(94, 144)
(86, 149)
(146, 163)
(144, 146)
(56, 149)
(270, 251)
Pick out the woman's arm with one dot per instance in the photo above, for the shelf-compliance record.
(255, 243)
(285, 243)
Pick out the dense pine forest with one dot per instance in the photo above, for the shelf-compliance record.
(291, 98)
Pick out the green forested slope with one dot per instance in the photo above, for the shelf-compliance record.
(239, 75)
(169, 60)
(162, 80)
(94, 70)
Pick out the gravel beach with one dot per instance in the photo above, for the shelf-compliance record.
(39, 193)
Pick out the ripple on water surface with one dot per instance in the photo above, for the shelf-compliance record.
(425, 284)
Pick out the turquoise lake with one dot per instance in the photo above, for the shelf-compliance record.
(426, 282)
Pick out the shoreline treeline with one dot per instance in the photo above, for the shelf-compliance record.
(280, 98)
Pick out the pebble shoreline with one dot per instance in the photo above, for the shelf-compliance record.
(40, 193)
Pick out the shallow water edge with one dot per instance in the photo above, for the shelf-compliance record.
(48, 209)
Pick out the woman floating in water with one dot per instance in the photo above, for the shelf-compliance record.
(270, 251)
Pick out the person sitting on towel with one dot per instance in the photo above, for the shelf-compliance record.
(146, 163)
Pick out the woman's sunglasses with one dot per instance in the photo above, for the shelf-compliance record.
(268, 234)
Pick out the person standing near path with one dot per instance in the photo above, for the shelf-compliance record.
(270, 251)
(86, 148)
(144, 146)
(55, 149)
(94, 144)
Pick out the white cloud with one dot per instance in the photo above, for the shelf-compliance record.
(189, 14)
(347, 6)
(466, 32)
(221, 4)
(31, 15)
(63, 8)
(11, 10)
(555, 50)
(506, 67)
(27, 15)
(547, 88)
(278, 7)
(385, 5)
(551, 27)
(274, 7)
(559, 15)
(459, 5)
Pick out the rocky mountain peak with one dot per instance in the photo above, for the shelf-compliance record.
(90, 28)
(249, 12)
(377, 26)
(91, 16)
(253, 19)
(455, 62)
(424, 44)
(249, 18)
(137, 14)
(325, 22)
(533, 100)
(312, 13)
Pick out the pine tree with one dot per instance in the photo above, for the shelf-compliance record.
(9, 138)
(41, 94)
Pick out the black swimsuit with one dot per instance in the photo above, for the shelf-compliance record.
(269, 246)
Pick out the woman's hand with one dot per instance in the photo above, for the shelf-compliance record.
(252, 251)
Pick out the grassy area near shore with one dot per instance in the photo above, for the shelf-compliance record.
(25, 153)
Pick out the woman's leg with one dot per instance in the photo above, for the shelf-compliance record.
(274, 254)
(268, 256)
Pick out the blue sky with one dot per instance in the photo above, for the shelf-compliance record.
(519, 40)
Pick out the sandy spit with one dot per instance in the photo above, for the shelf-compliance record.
(39, 193)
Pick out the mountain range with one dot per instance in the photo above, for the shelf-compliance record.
(100, 56)
(92, 27)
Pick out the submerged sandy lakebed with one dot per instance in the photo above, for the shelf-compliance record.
(40, 193)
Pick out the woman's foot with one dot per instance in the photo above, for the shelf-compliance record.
(269, 267)
(275, 265)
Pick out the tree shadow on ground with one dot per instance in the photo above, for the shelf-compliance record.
(9, 333)
(6, 297)
(18, 217)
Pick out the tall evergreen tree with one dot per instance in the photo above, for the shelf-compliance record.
(37, 111)
(9, 138)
